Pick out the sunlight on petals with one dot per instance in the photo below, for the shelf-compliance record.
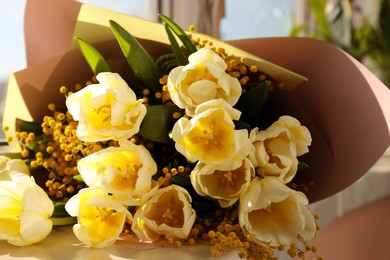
(105, 111)
(24, 211)
(274, 214)
(100, 218)
(125, 171)
(276, 148)
(168, 213)
(205, 71)
(210, 137)
(225, 186)
(10, 167)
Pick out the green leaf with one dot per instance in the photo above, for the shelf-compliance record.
(384, 21)
(239, 124)
(59, 210)
(30, 127)
(36, 145)
(169, 65)
(158, 123)
(167, 62)
(138, 58)
(317, 8)
(95, 60)
(302, 166)
(187, 42)
(78, 178)
(60, 216)
(177, 51)
(181, 179)
(251, 103)
(297, 30)
(63, 221)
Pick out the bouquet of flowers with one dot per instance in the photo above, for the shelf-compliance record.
(179, 142)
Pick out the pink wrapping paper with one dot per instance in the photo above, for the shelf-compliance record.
(343, 104)
(47, 33)
(347, 103)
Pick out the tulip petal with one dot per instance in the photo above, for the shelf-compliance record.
(36, 200)
(34, 227)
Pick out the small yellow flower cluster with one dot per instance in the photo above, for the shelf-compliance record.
(295, 251)
(225, 234)
(300, 251)
(168, 172)
(62, 149)
(163, 96)
(179, 242)
(229, 237)
(301, 186)
(248, 76)
(24, 138)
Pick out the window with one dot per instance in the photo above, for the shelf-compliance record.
(256, 18)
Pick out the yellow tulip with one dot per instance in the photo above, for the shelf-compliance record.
(100, 218)
(202, 79)
(225, 186)
(210, 136)
(25, 211)
(301, 133)
(125, 171)
(276, 148)
(9, 167)
(274, 214)
(106, 111)
(168, 212)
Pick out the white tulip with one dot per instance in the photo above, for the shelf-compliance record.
(275, 149)
(274, 214)
(100, 217)
(125, 171)
(25, 211)
(210, 136)
(10, 167)
(301, 134)
(106, 111)
(225, 186)
(202, 79)
(168, 213)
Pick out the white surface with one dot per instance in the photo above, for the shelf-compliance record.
(64, 245)
(12, 52)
